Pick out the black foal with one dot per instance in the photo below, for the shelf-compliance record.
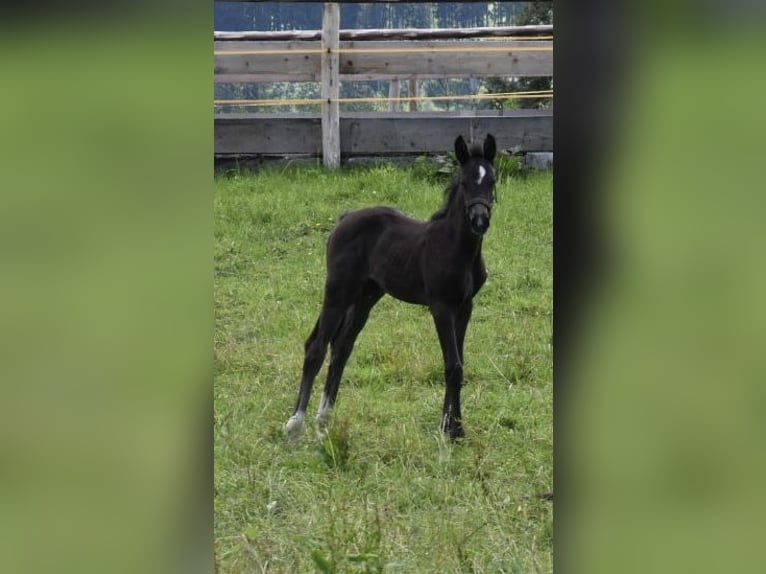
(437, 263)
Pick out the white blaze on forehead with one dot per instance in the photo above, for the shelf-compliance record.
(482, 173)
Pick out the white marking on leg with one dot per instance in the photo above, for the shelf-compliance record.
(482, 173)
(294, 425)
(323, 416)
(445, 419)
(324, 408)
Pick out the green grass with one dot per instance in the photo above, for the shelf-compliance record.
(385, 492)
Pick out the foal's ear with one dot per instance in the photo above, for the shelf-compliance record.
(461, 150)
(490, 147)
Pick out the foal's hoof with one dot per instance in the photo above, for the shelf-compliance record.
(294, 427)
(323, 424)
(456, 433)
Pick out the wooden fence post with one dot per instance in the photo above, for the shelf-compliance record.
(394, 92)
(330, 85)
(413, 93)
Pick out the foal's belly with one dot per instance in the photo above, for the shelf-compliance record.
(401, 280)
(406, 294)
(395, 265)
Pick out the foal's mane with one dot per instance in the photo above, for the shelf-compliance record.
(451, 190)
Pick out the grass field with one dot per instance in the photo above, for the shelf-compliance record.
(384, 492)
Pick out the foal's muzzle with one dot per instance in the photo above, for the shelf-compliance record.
(479, 213)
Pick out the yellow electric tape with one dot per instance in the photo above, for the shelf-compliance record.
(316, 102)
(413, 50)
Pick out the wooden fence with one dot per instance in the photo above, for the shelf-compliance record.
(395, 55)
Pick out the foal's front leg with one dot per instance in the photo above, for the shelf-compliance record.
(444, 319)
(461, 325)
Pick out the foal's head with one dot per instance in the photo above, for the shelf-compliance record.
(476, 181)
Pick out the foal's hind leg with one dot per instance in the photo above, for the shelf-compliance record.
(342, 345)
(315, 351)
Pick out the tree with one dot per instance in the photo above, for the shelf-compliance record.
(533, 14)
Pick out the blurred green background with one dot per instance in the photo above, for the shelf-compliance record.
(105, 291)
(662, 429)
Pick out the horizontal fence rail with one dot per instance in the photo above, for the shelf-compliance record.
(371, 133)
(359, 1)
(301, 61)
(393, 33)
